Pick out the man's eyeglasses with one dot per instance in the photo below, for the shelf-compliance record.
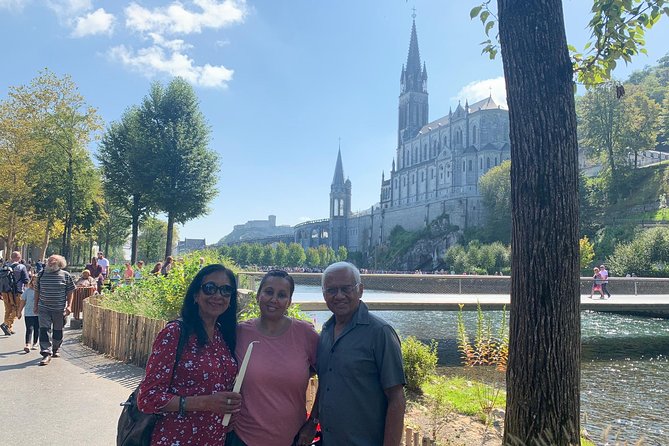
(346, 289)
(210, 288)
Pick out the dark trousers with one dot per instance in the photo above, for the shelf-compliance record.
(605, 290)
(49, 319)
(32, 329)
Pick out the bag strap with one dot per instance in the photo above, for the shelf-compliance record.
(180, 346)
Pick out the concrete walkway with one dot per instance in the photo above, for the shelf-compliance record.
(73, 400)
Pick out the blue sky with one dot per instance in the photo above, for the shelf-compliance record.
(279, 81)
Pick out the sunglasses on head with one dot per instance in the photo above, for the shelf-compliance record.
(210, 288)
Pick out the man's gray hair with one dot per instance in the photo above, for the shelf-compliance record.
(62, 263)
(341, 265)
(15, 255)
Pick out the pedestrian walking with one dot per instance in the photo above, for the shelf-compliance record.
(596, 283)
(53, 300)
(605, 281)
(30, 317)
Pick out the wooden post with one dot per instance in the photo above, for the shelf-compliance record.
(408, 433)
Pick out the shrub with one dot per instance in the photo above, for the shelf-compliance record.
(420, 362)
(488, 348)
(161, 297)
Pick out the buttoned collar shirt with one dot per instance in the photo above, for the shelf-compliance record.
(353, 371)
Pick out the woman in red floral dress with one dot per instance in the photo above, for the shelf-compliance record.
(200, 391)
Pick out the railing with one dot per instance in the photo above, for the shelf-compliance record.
(464, 284)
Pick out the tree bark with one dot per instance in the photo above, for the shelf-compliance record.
(45, 243)
(170, 234)
(543, 372)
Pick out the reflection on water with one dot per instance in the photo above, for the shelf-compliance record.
(624, 369)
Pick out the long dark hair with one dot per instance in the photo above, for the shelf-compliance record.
(226, 322)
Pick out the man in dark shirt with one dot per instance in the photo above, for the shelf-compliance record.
(361, 398)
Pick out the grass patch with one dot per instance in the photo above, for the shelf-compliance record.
(465, 396)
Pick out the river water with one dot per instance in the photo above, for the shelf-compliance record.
(624, 369)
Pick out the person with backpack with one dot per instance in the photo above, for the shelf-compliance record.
(13, 279)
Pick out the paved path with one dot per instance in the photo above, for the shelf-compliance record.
(73, 400)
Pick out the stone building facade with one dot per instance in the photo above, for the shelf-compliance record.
(435, 170)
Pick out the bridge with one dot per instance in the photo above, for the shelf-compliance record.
(313, 233)
(433, 292)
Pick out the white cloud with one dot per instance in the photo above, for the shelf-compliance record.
(172, 45)
(475, 91)
(177, 19)
(13, 5)
(154, 60)
(68, 10)
(97, 22)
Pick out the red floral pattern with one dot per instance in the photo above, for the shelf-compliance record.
(201, 371)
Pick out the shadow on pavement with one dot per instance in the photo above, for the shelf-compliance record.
(93, 362)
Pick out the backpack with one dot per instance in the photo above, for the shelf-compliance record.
(7, 279)
(135, 427)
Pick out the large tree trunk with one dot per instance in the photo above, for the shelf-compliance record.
(544, 348)
(170, 234)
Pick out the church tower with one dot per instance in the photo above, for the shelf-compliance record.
(413, 106)
(340, 206)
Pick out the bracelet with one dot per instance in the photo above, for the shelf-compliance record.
(182, 406)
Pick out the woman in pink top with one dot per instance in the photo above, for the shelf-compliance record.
(275, 386)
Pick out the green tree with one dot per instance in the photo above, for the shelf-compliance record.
(495, 189)
(587, 252)
(296, 256)
(255, 254)
(268, 255)
(151, 239)
(641, 122)
(62, 175)
(113, 228)
(281, 254)
(647, 255)
(342, 254)
(601, 119)
(178, 136)
(129, 171)
(313, 258)
(243, 254)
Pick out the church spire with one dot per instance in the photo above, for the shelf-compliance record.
(413, 108)
(338, 179)
(413, 73)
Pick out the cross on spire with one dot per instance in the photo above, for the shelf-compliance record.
(413, 16)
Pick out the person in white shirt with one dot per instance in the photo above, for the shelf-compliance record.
(605, 280)
(104, 263)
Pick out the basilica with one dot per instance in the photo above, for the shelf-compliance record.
(435, 169)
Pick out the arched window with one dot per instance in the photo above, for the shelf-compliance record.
(495, 161)
(474, 135)
(463, 166)
(470, 165)
(487, 162)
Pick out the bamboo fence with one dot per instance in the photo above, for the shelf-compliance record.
(122, 336)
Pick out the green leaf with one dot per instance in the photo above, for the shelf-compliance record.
(475, 11)
(484, 16)
(489, 26)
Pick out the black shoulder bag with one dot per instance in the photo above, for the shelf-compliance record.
(135, 427)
